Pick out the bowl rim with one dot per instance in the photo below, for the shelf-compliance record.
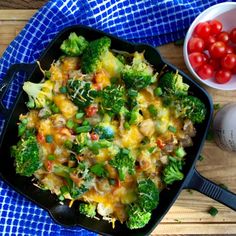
(185, 48)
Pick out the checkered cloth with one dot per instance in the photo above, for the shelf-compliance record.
(148, 21)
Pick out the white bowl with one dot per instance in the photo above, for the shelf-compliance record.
(226, 13)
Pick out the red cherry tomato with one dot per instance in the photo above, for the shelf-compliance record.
(205, 71)
(229, 49)
(209, 41)
(222, 76)
(214, 62)
(233, 71)
(196, 59)
(223, 37)
(216, 26)
(94, 136)
(196, 45)
(233, 35)
(203, 30)
(217, 49)
(229, 61)
(91, 110)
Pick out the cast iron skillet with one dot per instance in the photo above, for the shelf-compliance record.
(64, 215)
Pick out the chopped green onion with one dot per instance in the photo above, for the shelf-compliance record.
(172, 129)
(63, 89)
(64, 189)
(79, 115)
(151, 149)
(126, 125)
(83, 129)
(216, 106)
(47, 74)
(180, 152)
(201, 158)
(70, 124)
(152, 109)
(54, 108)
(61, 198)
(85, 122)
(213, 211)
(49, 138)
(51, 157)
(158, 91)
(24, 121)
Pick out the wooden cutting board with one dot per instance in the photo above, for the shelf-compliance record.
(189, 214)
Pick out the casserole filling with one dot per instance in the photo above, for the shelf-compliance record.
(105, 129)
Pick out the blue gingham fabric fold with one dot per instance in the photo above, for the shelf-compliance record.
(148, 21)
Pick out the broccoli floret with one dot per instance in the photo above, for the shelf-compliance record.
(97, 56)
(137, 217)
(80, 92)
(39, 93)
(171, 83)
(26, 154)
(112, 99)
(172, 171)
(124, 162)
(138, 75)
(87, 209)
(190, 107)
(195, 109)
(74, 45)
(148, 195)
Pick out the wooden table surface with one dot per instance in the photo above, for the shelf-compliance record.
(189, 214)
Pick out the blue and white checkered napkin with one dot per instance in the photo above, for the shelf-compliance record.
(148, 21)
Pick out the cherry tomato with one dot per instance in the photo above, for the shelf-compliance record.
(209, 41)
(94, 136)
(196, 45)
(196, 59)
(229, 61)
(91, 110)
(233, 35)
(203, 30)
(214, 62)
(216, 26)
(233, 71)
(222, 76)
(205, 71)
(217, 49)
(223, 37)
(229, 49)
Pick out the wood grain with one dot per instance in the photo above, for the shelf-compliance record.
(21, 4)
(189, 214)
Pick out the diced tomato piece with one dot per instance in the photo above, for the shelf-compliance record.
(94, 136)
(91, 110)
(160, 143)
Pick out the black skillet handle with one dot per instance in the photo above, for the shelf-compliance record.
(7, 80)
(212, 190)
